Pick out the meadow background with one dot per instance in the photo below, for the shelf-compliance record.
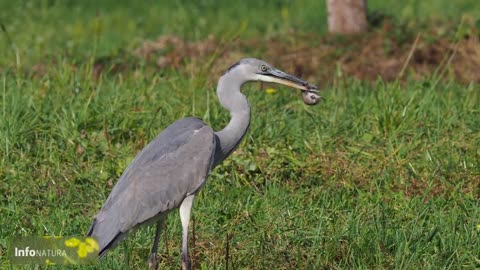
(385, 174)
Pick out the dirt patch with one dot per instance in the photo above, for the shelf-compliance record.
(172, 51)
(390, 52)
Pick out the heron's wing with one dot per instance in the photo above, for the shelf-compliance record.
(173, 166)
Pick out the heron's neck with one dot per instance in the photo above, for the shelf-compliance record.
(228, 92)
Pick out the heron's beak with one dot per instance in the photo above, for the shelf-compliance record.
(278, 76)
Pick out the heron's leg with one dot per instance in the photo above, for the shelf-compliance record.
(185, 209)
(153, 262)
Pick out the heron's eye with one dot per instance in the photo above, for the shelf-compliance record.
(263, 68)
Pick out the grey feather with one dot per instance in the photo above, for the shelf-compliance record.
(174, 165)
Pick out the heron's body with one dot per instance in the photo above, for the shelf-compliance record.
(169, 171)
(189, 138)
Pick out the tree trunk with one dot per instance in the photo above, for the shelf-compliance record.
(347, 16)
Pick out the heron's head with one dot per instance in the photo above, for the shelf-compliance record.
(251, 69)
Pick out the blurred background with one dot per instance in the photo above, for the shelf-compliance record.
(396, 38)
(385, 174)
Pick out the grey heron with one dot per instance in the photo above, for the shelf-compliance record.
(170, 170)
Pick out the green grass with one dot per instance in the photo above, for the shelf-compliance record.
(380, 176)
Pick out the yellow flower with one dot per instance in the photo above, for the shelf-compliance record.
(72, 242)
(271, 91)
(92, 243)
(82, 250)
(478, 226)
(89, 246)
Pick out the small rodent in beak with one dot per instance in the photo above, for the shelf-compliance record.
(310, 98)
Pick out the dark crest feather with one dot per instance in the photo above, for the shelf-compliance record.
(231, 67)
